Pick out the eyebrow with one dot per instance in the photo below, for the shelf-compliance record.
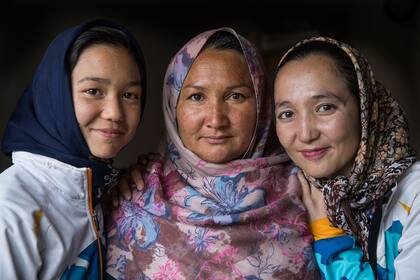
(328, 95)
(94, 79)
(194, 86)
(105, 81)
(229, 88)
(282, 104)
(323, 95)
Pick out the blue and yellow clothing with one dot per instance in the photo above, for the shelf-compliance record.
(398, 245)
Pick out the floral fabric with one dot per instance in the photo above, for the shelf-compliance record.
(199, 220)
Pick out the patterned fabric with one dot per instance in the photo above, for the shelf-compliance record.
(199, 220)
(87, 264)
(383, 156)
(44, 121)
(397, 245)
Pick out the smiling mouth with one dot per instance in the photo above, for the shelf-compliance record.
(216, 140)
(108, 133)
(314, 154)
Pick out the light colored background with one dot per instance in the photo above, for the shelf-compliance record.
(388, 37)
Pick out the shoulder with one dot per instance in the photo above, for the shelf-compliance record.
(42, 176)
(18, 193)
(27, 184)
(411, 177)
(18, 206)
(406, 193)
(408, 185)
(16, 179)
(20, 229)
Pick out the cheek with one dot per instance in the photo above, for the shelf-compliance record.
(244, 119)
(133, 116)
(353, 136)
(188, 121)
(344, 131)
(284, 135)
(84, 111)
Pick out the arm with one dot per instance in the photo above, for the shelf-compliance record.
(336, 254)
(19, 255)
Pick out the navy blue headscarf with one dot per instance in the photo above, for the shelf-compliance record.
(44, 121)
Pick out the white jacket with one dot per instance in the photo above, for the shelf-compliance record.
(398, 244)
(47, 229)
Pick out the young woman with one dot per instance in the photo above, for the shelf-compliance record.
(82, 107)
(218, 205)
(360, 180)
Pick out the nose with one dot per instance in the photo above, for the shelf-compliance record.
(112, 109)
(217, 115)
(307, 129)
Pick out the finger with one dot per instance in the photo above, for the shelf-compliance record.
(153, 156)
(317, 194)
(114, 198)
(318, 199)
(142, 160)
(149, 167)
(136, 177)
(124, 188)
(306, 189)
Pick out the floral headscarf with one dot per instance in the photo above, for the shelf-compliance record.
(200, 220)
(175, 76)
(383, 155)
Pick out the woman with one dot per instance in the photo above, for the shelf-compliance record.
(82, 107)
(350, 138)
(216, 206)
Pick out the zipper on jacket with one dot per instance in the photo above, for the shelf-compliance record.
(94, 217)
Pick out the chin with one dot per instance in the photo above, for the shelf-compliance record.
(317, 172)
(216, 159)
(105, 154)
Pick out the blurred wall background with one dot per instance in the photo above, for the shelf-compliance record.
(386, 31)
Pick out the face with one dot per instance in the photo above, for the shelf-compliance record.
(317, 118)
(216, 110)
(106, 95)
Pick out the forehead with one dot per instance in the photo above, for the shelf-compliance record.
(303, 78)
(313, 63)
(216, 62)
(103, 58)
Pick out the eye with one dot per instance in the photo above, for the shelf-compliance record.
(285, 115)
(131, 96)
(325, 108)
(236, 96)
(196, 97)
(93, 92)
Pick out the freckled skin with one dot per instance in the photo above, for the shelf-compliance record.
(106, 96)
(216, 111)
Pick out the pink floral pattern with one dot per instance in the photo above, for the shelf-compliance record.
(240, 220)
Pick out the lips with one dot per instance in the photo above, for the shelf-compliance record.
(108, 133)
(216, 139)
(314, 154)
